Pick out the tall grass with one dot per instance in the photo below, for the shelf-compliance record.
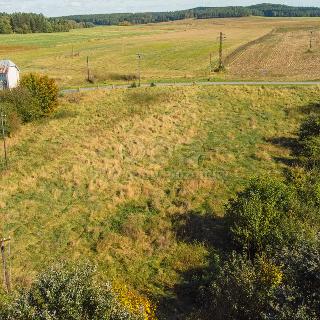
(105, 177)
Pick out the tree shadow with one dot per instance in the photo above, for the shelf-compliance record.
(208, 229)
(293, 145)
(312, 108)
(192, 228)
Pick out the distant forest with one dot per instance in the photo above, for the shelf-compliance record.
(263, 10)
(33, 23)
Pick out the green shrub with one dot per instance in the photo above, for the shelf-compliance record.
(310, 128)
(21, 101)
(67, 293)
(299, 295)
(286, 286)
(311, 147)
(13, 120)
(44, 90)
(257, 214)
(242, 289)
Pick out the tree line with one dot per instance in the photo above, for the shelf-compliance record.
(34, 23)
(264, 10)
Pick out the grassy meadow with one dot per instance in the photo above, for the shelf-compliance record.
(176, 51)
(117, 177)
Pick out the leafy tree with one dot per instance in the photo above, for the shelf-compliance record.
(43, 89)
(242, 289)
(31, 23)
(5, 26)
(265, 10)
(256, 216)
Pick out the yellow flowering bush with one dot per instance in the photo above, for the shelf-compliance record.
(134, 302)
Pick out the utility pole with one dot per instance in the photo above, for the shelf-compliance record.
(311, 40)
(139, 56)
(88, 69)
(6, 272)
(221, 38)
(3, 131)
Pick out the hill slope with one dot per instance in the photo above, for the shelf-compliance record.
(263, 10)
(115, 178)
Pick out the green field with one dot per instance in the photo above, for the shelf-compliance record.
(115, 177)
(176, 51)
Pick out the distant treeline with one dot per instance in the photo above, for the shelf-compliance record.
(264, 10)
(33, 23)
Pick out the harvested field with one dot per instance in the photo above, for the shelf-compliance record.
(283, 54)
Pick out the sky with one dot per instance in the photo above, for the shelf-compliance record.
(69, 7)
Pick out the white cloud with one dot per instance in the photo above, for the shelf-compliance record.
(67, 7)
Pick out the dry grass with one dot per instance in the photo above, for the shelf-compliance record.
(106, 176)
(172, 51)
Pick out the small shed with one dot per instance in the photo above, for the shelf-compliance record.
(9, 75)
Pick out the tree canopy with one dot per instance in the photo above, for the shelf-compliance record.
(34, 23)
(264, 10)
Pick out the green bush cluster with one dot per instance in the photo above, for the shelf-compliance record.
(35, 98)
(66, 292)
(309, 138)
(274, 270)
(256, 215)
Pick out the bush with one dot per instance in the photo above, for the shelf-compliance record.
(241, 289)
(309, 137)
(67, 293)
(284, 287)
(299, 296)
(44, 90)
(13, 120)
(310, 128)
(256, 216)
(21, 101)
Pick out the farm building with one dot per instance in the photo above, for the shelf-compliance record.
(9, 75)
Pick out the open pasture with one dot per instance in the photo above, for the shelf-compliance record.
(171, 51)
(118, 177)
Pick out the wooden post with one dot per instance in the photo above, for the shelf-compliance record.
(6, 272)
(221, 52)
(139, 56)
(221, 38)
(88, 70)
(311, 39)
(3, 131)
